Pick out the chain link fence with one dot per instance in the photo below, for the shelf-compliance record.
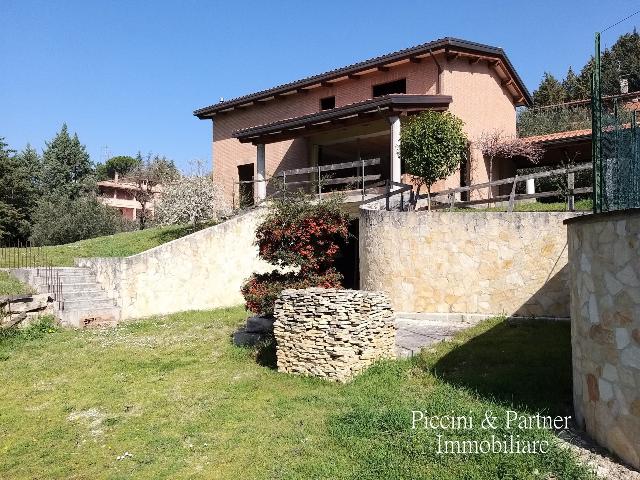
(615, 149)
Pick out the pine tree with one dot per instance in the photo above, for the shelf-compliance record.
(549, 92)
(573, 87)
(66, 167)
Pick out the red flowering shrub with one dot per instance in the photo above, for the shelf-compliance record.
(262, 289)
(304, 237)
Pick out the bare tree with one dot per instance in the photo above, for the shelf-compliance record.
(145, 181)
(495, 144)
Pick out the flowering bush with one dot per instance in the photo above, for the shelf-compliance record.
(263, 289)
(303, 237)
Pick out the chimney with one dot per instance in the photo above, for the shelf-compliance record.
(115, 178)
(624, 85)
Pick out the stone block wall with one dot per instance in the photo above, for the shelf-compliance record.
(604, 259)
(331, 333)
(200, 271)
(455, 262)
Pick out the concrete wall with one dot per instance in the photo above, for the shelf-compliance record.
(200, 271)
(489, 263)
(604, 255)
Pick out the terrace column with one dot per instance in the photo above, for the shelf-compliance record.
(261, 185)
(395, 149)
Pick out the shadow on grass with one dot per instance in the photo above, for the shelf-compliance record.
(265, 353)
(524, 364)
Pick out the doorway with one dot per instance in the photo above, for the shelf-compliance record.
(245, 174)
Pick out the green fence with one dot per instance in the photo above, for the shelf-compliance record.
(616, 150)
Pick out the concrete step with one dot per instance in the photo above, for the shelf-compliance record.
(87, 303)
(70, 278)
(95, 294)
(89, 317)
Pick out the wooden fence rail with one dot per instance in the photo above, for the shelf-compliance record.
(450, 194)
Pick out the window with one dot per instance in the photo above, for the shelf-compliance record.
(327, 103)
(397, 86)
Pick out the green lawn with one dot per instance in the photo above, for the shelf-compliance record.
(118, 245)
(9, 285)
(175, 394)
(580, 206)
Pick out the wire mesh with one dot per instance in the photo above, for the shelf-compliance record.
(615, 149)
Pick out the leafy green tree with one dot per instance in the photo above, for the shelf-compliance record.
(18, 193)
(432, 146)
(66, 166)
(122, 165)
(58, 219)
(549, 92)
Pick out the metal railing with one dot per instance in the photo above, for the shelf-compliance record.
(24, 255)
(447, 198)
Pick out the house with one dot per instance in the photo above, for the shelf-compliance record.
(120, 194)
(357, 111)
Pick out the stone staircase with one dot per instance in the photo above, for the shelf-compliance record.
(83, 301)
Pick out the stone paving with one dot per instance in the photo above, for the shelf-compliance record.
(412, 335)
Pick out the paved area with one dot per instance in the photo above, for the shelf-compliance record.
(412, 335)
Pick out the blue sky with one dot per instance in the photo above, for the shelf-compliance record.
(128, 74)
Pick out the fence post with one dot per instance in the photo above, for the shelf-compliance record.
(570, 186)
(452, 201)
(284, 185)
(512, 195)
(363, 191)
(319, 184)
(387, 191)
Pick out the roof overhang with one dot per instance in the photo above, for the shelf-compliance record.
(451, 47)
(381, 107)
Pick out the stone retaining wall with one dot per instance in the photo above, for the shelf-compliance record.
(454, 262)
(200, 271)
(21, 310)
(330, 333)
(604, 259)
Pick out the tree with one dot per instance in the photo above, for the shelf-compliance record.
(549, 92)
(18, 193)
(573, 88)
(189, 199)
(58, 219)
(144, 180)
(432, 146)
(121, 164)
(66, 166)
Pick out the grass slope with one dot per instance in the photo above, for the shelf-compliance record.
(580, 206)
(118, 245)
(175, 394)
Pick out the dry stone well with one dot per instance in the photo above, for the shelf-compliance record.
(332, 333)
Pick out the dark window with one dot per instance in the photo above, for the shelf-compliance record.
(327, 103)
(397, 86)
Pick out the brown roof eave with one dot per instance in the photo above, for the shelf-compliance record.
(451, 44)
(388, 105)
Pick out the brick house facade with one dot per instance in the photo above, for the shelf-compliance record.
(357, 111)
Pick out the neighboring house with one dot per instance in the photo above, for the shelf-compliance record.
(574, 146)
(357, 112)
(120, 195)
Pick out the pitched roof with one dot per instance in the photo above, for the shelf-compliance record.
(560, 136)
(447, 44)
